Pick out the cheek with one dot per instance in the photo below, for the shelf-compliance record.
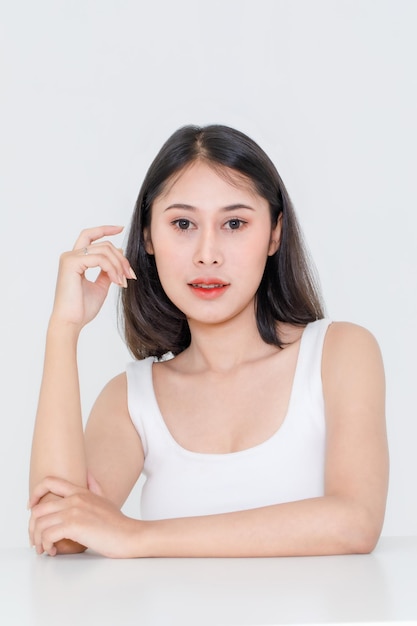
(168, 255)
(255, 254)
(170, 267)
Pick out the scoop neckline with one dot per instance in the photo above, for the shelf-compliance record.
(244, 451)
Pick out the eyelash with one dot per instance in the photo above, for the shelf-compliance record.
(176, 223)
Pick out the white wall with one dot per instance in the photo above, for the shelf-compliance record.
(90, 90)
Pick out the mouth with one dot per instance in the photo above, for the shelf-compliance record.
(208, 288)
(207, 285)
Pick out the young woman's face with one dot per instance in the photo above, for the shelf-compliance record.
(211, 235)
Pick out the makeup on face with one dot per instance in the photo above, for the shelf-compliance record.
(208, 288)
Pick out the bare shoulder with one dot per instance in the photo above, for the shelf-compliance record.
(345, 340)
(349, 331)
(352, 362)
(111, 405)
(116, 390)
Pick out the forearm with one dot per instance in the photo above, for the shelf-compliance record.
(58, 439)
(321, 526)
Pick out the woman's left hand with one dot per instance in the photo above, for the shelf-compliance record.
(82, 516)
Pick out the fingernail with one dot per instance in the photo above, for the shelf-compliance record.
(123, 281)
(132, 273)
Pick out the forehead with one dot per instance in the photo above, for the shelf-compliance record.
(201, 177)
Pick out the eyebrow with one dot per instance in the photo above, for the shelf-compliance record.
(229, 207)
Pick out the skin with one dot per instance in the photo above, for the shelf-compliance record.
(80, 480)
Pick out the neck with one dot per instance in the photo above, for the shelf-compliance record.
(222, 347)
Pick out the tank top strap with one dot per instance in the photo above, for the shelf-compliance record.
(140, 397)
(307, 386)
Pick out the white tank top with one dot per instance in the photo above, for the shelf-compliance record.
(286, 467)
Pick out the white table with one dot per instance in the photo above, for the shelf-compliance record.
(88, 589)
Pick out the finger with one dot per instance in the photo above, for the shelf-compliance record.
(44, 542)
(52, 484)
(38, 510)
(108, 264)
(60, 531)
(114, 254)
(59, 512)
(38, 528)
(101, 254)
(41, 510)
(53, 535)
(46, 515)
(88, 235)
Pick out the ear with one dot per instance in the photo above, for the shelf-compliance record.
(275, 237)
(148, 241)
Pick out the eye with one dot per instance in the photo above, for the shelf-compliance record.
(182, 224)
(235, 224)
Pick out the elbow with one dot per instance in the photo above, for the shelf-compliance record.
(364, 543)
(362, 534)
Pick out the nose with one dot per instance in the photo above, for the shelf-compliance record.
(207, 251)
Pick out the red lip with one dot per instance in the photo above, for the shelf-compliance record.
(208, 288)
(207, 280)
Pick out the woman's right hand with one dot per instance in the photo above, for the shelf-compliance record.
(77, 299)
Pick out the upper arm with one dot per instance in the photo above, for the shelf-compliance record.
(113, 446)
(354, 393)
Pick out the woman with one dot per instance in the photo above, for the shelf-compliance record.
(258, 424)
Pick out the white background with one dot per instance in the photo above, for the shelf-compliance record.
(91, 89)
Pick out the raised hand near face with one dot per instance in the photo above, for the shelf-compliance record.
(77, 299)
